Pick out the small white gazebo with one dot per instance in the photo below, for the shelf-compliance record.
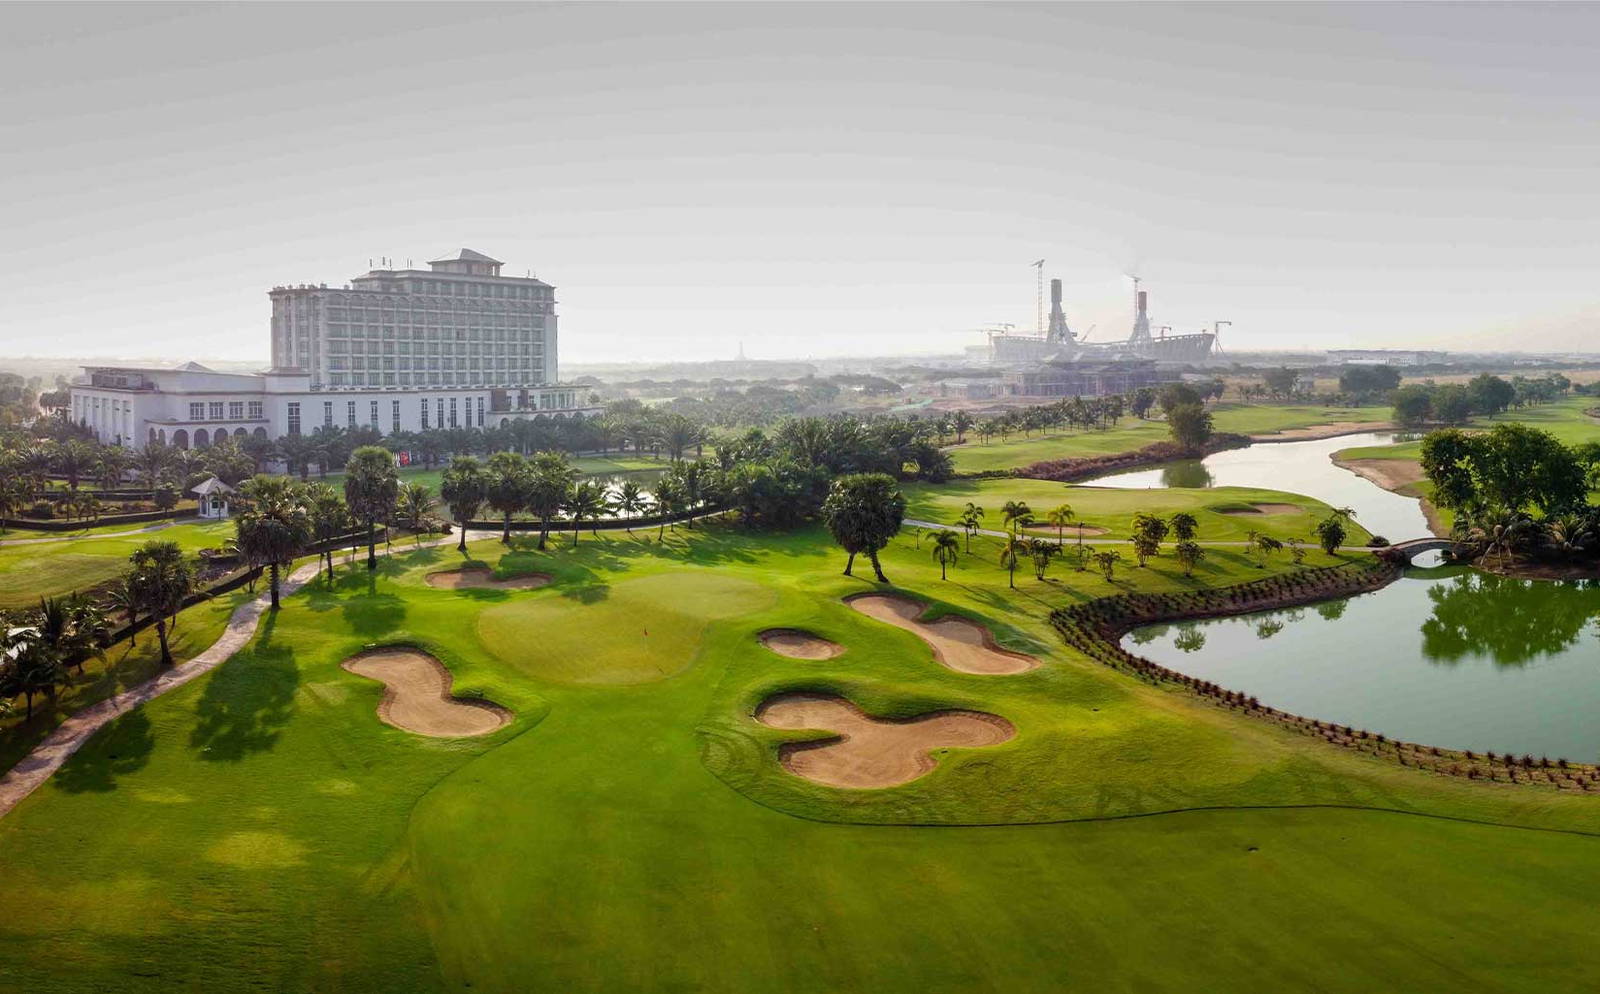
(213, 496)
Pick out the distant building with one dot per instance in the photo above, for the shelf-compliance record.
(456, 347)
(1386, 357)
(1067, 378)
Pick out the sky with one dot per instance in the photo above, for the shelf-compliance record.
(809, 180)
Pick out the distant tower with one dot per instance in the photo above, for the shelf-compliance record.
(741, 352)
(1038, 316)
(1141, 316)
(1059, 333)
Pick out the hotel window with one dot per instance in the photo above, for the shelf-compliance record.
(216, 410)
(374, 412)
(438, 410)
(294, 418)
(350, 413)
(480, 412)
(327, 414)
(453, 423)
(235, 410)
(197, 412)
(255, 410)
(394, 413)
(424, 414)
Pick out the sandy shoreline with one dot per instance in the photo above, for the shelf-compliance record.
(1332, 430)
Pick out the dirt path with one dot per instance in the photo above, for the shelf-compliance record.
(48, 756)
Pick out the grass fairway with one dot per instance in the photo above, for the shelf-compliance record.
(261, 829)
(1225, 514)
(30, 570)
(1247, 419)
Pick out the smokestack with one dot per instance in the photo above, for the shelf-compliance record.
(1142, 298)
(1055, 293)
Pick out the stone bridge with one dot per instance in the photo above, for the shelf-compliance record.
(1410, 549)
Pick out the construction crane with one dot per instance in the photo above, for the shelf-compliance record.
(1216, 334)
(1038, 321)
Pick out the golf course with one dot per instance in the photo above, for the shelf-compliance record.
(614, 816)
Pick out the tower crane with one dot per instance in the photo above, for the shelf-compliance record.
(1216, 334)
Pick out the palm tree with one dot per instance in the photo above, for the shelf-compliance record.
(274, 527)
(464, 489)
(1107, 560)
(586, 500)
(30, 668)
(946, 549)
(151, 464)
(1148, 531)
(122, 599)
(329, 517)
(628, 502)
(1061, 515)
(1568, 536)
(1500, 533)
(162, 580)
(863, 512)
(669, 499)
(1017, 514)
(70, 629)
(110, 465)
(1041, 552)
(371, 487)
(1189, 553)
(1010, 553)
(416, 501)
(971, 518)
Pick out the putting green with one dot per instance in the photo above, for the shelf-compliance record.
(634, 631)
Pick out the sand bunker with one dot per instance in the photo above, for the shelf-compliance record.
(872, 752)
(1332, 430)
(797, 644)
(480, 576)
(1265, 508)
(416, 695)
(958, 643)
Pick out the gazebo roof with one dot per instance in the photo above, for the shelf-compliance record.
(211, 485)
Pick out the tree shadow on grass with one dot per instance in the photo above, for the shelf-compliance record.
(121, 748)
(247, 701)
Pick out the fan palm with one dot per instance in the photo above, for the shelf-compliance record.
(946, 549)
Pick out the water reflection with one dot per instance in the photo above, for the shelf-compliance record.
(1512, 621)
(1191, 473)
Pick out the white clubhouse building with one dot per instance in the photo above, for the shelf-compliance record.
(454, 346)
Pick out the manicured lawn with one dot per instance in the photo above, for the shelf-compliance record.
(1248, 419)
(29, 571)
(1222, 512)
(631, 829)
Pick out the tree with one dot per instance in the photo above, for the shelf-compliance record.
(1041, 552)
(628, 502)
(1149, 531)
(946, 550)
(1017, 515)
(863, 512)
(124, 600)
(1060, 516)
(1107, 560)
(1362, 382)
(971, 519)
(464, 489)
(371, 487)
(1190, 426)
(1281, 381)
(1500, 533)
(274, 526)
(1413, 405)
(1490, 394)
(415, 503)
(1267, 546)
(162, 580)
(1190, 553)
(506, 483)
(1330, 533)
(669, 499)
(1010, 554)
(586, 500)
(1184, 526)
(329, 517)
(550, 481)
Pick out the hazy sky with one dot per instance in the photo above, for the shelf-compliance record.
(808, 180)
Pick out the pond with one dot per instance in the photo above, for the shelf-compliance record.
(1302, 467)
(1447, 657)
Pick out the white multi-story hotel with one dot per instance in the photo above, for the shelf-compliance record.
(455, 346)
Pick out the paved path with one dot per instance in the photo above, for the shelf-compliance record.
(69, 736)
(75, 538)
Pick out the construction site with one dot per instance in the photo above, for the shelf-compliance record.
(1055, 362)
